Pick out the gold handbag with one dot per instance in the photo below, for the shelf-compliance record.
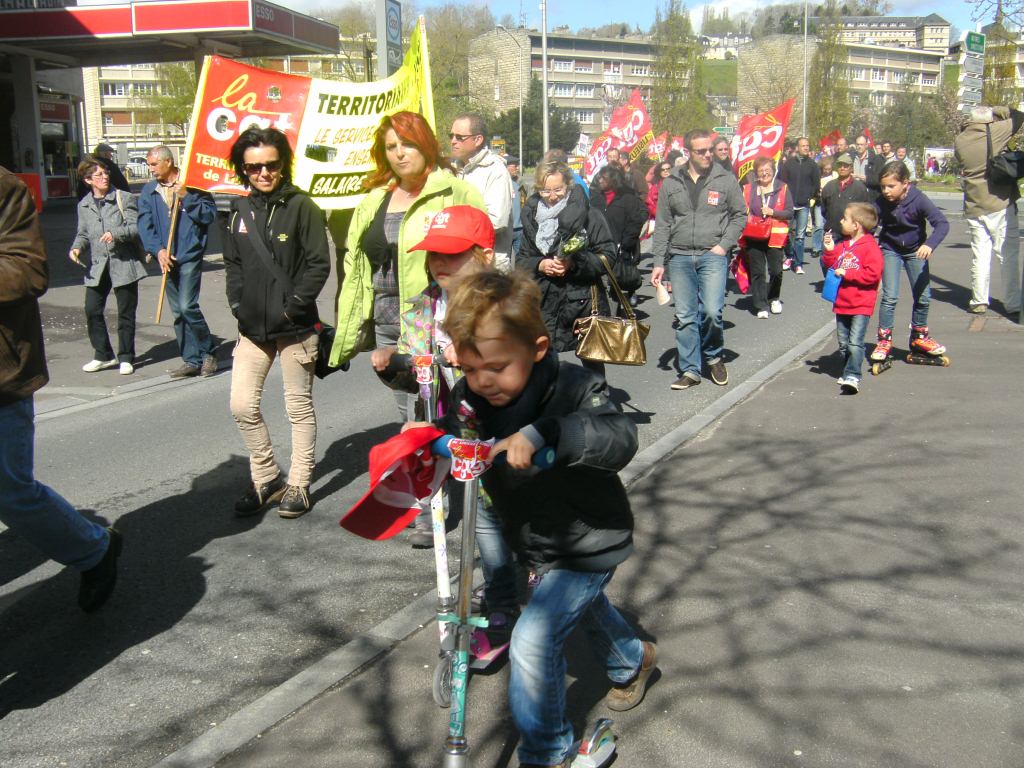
(614, 340)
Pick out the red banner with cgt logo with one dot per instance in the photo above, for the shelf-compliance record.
(629, 131)
(760, 135)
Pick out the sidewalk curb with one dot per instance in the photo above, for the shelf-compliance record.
(279, 703)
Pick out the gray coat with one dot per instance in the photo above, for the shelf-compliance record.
(695, 218)
(122, 257)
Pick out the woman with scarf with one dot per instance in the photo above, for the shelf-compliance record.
(769, 210)
(562, 240)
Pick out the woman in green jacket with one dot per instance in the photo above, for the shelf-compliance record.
(411, 182)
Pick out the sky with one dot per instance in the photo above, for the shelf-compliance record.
(586, 13)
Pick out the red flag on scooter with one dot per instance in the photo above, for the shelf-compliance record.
(403, 478)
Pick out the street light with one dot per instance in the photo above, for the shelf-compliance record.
(519, 66)
(804, 128)
(544, 71)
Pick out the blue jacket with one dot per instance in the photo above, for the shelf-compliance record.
(197, 213)
(903, 224)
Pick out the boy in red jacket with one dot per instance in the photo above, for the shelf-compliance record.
(858, 261)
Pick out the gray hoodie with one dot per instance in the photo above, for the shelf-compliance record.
(696, 217)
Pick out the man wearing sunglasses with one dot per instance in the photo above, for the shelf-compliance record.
(486, 171)
(184, 261)
(701, 213)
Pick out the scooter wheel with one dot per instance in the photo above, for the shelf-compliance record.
(442, 687)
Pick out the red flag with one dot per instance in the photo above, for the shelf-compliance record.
(830, 139)
(760, 136)
(629, 131)
(867, 135)
(658, 148)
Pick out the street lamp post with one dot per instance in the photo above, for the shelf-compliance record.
(804, 129)
(519, 66)
(544, 71)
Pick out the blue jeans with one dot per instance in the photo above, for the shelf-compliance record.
(194, 339)
(797, 235)
(536, 689)
(818, 235)
(496, 559)
(698, 285)
(35, 512)
(850, 331)
(920, 285)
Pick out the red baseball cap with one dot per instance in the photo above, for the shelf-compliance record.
(403, 478)
(456, 229)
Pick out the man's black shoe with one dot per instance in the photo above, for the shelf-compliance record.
(718, 373)
(258, 498)
(98, 582)
(186, 371)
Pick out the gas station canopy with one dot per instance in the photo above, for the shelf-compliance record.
(161, 30)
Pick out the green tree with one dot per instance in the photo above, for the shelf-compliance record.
(564, 130)
(915, 120)
(173, 100)
(999, 87)
(829, 103)
(678, 100)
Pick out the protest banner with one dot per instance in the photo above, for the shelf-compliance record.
(628, 131)
(760, 135)
(829, 140)
(330, 124)
(658, 148)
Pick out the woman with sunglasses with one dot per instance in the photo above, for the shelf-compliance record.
(108, 230)
(276, 263)
(409, 183)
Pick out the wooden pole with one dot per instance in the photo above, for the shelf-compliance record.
(170, 254)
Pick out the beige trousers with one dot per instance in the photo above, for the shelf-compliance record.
(252, 363)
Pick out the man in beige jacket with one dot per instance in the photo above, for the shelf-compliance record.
(990, 208)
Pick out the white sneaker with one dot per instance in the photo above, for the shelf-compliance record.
(776, 307)
(98, 365)
(126, 369)
(799, 270)
(762, 315)
(850, 386)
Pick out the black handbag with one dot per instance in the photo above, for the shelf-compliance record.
(1006, 167)
(325, 333)
(627, 270)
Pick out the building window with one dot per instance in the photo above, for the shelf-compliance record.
(878, 75)
(584, 66)
(897, 76)
(857, 73)
(144, 66)
(613, 67)
(107, 121)
(912, 78)
(641, 69)
(585, 91)
(563, 90)
(927, 79)
(145, 89)
(585, 116)
(560, 65)
(878, 99)
(116, 89)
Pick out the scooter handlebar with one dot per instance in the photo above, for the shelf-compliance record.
(400, 363)
(544, 458)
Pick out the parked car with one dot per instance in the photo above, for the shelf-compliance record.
(136, 167)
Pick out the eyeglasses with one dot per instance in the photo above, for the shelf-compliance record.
(94, 174)
(550, 192)
(253, 169)
(701, 151)
(666, 170)
(460, 137)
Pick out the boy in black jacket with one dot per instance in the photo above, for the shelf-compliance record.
(570, 524)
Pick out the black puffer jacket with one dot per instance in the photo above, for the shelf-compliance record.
(293, 227)
(626, 216)
(576, 514)
(564, 299)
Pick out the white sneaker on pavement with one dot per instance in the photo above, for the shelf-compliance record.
(762, 315)
(126, 369)
(776, 307)
(98, 365)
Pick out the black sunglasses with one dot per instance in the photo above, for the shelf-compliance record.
(253, 168)
(461, 136)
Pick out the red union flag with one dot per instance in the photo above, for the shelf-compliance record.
(628, 131)
(760, 136)
(657, 149)
(828, 141)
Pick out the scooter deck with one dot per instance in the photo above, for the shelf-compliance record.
(482, 653)
(597, 749)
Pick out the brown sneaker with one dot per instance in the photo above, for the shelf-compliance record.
(295, 502)
(186, 371)
(623, 697)
(259, 497)
(209, 366)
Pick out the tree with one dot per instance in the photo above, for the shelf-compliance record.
(678, 100)
(564, 131)
(829, 105)
(999, 88)
(357, 23)
(173, 100)
(1000, 10)
(915, 120)
(615, 29)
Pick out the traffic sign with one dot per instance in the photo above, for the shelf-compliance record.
(968, 97)
(974, 42)
(973, 65)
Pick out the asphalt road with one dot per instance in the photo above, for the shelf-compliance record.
(212, 612)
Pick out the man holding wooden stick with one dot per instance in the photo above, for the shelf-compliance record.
(173, 223)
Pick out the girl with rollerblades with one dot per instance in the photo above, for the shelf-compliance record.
(904, 213)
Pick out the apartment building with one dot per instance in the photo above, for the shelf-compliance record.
(929, 33)
(878, 73)
(588, 76)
